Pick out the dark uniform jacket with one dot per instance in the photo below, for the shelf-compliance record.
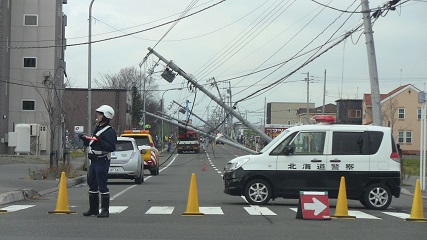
(107, 140)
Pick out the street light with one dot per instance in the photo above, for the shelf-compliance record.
(163, 108)
(89, 73)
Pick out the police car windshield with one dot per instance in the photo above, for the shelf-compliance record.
(272, 142)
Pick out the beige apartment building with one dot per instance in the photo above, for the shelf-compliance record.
(402, 112)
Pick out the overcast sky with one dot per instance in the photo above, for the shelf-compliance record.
(236, 38)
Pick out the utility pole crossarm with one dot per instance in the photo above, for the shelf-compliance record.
(174, 67)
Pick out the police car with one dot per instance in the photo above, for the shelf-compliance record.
(314, 158)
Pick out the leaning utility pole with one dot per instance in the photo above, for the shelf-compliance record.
(175, 68)
(231, 143)
(373, 72)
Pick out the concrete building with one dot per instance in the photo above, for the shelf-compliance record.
(32, 71)
(75, 108)
(285, 112)
(329, 109)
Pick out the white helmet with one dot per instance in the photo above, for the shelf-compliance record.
(107, 111)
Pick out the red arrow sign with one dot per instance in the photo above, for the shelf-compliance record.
(315, 206)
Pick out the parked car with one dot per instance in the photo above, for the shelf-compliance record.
(126, 162)
(147, 148)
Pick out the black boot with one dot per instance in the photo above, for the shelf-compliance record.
(105, 205)
(93, 205)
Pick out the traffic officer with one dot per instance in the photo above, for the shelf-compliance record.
(100, 146)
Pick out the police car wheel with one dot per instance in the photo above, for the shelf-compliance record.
(377, 197)
(258, 191)
(362, 201)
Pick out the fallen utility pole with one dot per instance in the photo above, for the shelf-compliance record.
(227, 137)
(175, 68)
(179, 105)
(236, 145)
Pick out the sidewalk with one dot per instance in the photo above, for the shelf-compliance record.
(409, 187)
(15, 181)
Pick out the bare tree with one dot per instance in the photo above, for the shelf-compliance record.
(132, 79)
(49, 95)
(389, 110)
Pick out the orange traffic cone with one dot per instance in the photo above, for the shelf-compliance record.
(193, 199)
(204, 167)
(62, 201)
(341, 210)
(417, 214)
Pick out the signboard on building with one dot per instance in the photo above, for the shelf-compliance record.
(78, 129)
(273, 130)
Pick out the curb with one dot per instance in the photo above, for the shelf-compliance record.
(406, 192)
(23, 194)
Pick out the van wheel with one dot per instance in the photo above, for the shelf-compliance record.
(258, 191)
(377, 197)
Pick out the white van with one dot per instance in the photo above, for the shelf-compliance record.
(314, 158)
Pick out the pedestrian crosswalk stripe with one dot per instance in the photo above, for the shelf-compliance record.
(359, 214)
(117, 209)
(14, 208)
(399, 215)
(255, 210)
(211, 210)
(160, 210)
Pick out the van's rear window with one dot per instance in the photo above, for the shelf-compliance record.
(356, 143)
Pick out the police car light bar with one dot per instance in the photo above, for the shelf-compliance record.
(325, 119)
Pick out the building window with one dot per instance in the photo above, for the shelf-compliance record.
(419, 114)
(30, 20)
(30, 62)
(405, 137)
(401, 112)
(408, 137)
(354, 113)
(28, 105)
(400, 137)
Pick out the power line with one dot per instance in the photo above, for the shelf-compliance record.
(120, 36)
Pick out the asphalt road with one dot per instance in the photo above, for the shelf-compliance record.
(154, 210)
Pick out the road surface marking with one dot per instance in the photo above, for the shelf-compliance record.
(399, 215)
(116, 209)
(211, 210)
(160, 210)
(14, 208)
(255, 210)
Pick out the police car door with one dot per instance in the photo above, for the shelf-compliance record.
(304, 167)
(348, 158)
